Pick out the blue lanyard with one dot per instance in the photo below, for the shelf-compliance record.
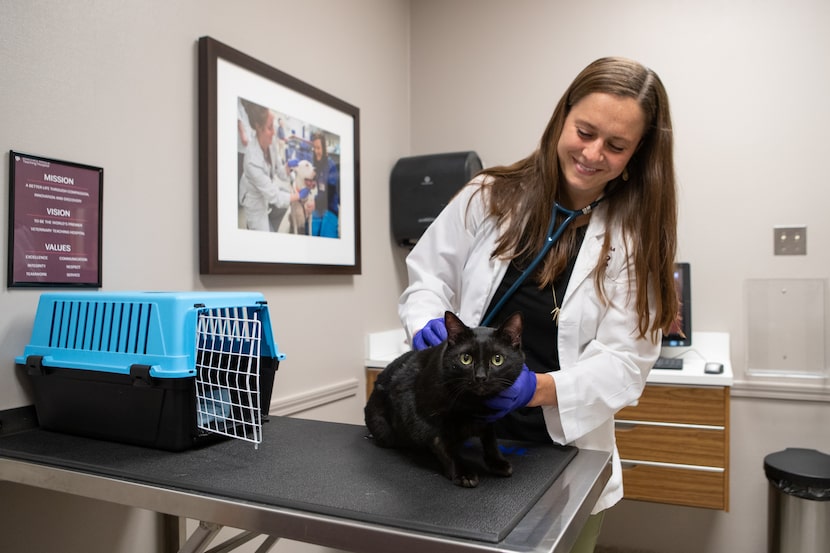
(553, 234)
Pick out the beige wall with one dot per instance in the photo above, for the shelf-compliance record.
(748, 86)
(114, 84)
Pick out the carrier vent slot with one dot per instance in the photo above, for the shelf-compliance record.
(119, 327)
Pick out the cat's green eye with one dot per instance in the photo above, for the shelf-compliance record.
(497, 359)
(465, 358)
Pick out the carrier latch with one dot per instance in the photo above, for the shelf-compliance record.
(141, 375)
(34, 365)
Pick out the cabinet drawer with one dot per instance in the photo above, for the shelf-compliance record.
(675, 486)
(667, 444)
(704, 405)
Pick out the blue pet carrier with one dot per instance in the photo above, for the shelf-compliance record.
(169, 370)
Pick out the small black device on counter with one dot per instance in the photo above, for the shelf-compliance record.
(713, 368)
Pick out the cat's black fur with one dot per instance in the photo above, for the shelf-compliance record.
(433, 399)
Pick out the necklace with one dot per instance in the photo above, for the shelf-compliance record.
(555, 313)
(566, 275)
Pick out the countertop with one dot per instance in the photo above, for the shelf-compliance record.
(383, 347)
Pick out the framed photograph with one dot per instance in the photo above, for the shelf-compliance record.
(55, 210)
(278, 171)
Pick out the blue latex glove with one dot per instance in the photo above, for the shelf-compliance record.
(303, 193)
(432, 334)
(512, 398)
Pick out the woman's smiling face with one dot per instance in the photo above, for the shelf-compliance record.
(601, 133)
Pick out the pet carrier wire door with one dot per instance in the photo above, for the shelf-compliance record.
(227, 372)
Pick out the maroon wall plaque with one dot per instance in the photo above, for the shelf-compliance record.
(55, 212)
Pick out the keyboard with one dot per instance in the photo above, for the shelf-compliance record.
(670, 363)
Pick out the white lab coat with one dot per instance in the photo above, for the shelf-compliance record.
(262, 184)
(603, 364)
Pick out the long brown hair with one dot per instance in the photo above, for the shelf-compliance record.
(644, 206)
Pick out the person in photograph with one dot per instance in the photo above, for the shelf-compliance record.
(282, 140)
(325, 218)
(264, 190)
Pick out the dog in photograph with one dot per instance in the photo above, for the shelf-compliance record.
(305, 184)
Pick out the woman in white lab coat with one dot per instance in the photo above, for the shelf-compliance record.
(264, 190)
(595, 306)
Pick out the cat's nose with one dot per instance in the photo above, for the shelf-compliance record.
(480, 376)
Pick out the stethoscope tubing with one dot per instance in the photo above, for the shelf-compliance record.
(554, 233)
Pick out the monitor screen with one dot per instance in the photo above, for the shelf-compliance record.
(680, 333)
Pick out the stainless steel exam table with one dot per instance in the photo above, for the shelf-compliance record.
(322, 483)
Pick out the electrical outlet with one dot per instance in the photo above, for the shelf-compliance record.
(790, 240)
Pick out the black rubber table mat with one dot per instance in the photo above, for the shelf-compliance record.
(320, 467)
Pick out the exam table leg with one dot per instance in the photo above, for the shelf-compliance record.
(174, 531)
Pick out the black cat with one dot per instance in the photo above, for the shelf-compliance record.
(433, 399)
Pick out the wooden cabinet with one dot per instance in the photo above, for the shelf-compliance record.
(371, 376)
(674, 446)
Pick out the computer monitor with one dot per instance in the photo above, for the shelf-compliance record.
(680, 333)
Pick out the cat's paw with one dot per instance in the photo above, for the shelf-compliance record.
(466, 480)
(501, 467)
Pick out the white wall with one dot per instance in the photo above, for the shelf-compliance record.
(748, 83)
(114, 84)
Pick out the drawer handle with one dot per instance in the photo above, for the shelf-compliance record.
(628, 465)
(625, 426)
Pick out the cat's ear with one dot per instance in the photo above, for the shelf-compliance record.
(455, 328)
(512, 329)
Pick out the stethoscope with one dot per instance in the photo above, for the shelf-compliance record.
(553, 234)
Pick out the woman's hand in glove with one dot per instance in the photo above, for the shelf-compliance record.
(432, 334)
(516, 396)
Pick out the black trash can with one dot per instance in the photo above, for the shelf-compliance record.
(799, 501)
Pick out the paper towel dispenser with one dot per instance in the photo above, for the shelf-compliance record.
(420, 187)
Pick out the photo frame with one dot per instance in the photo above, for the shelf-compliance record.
(279, 178)
(55, 223)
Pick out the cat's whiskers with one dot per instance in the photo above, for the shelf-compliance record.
(457, 387)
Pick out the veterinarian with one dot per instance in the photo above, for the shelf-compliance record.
(264, 191)
(596, 304)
